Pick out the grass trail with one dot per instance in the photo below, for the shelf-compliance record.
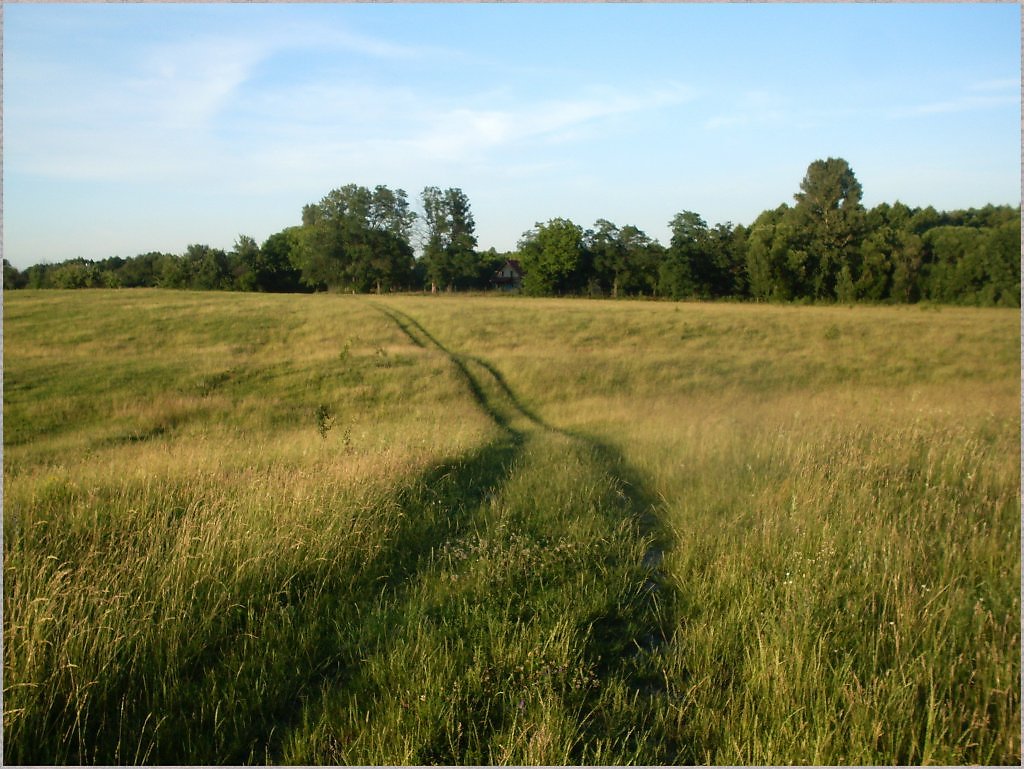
(530, 639)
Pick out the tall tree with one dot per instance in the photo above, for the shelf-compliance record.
(246, 261)
(607, 253)
(449, 253)
(687, 250)
(1001, 264)
(732, 250)
(829, 219)
(277, 272)
(702, 261)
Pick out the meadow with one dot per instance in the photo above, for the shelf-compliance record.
(328, 529)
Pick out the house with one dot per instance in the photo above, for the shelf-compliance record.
(509, 277)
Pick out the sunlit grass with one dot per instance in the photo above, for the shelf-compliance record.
(842, 490)
(459, 569)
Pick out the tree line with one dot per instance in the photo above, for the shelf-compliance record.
(825, 247)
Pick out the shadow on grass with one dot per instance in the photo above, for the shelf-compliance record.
(420, 337)
(436, 510)
(318, 636)
(623, 638)
(322, 625)
(638, 502)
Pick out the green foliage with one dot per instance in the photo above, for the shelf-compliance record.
(141, 271)
(324, 420)
(825, 248)
(356, 239)
(829, 223)
(77, 274)
(974, 266)
(276, 270)
(774, 265)
(624, 261)
(208, 268)
(449, 255)
(552, 255)
(701, 261)
(13, 278)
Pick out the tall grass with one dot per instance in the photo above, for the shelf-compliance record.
(854, 594)
(177, 544)
(842, 487)
(532, 532)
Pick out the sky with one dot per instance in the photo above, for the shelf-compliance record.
(149, 127)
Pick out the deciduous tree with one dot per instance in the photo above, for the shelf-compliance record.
(551, 255)
(356, 239)
(449, 253)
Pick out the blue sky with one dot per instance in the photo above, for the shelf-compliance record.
(130, 128)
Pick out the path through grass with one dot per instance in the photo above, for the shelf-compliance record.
(527, 641)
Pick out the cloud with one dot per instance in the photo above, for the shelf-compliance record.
(1001, 84)
(966, 103)
(334, 38)
(185, 84)
(753, 108)
(160, 111)
(452, 133)
(362, 130)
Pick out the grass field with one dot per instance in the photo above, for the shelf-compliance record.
(247, 528)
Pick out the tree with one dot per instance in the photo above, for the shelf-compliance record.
(277, 271)
(245, 263)
(908, 260)
(265, 268)
(449, 253)
(878, 256)
(1001, 260)
(703, 261)
(140, 271)
(733, 248)
(552, 255)
(776, 266)
(637, 273)
(206, 268)
(687, 251)
(607, 253)
(829, 221)
(13, 277)
(621, 260)
(356, 239)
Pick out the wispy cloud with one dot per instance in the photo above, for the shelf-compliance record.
(157, 113)
(1000, 84)
(336, 38)
(753, 108)
(362, 132)
(184, 85)
(456, 131)
(965, 103)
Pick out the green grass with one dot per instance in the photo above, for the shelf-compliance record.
(329, 529)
